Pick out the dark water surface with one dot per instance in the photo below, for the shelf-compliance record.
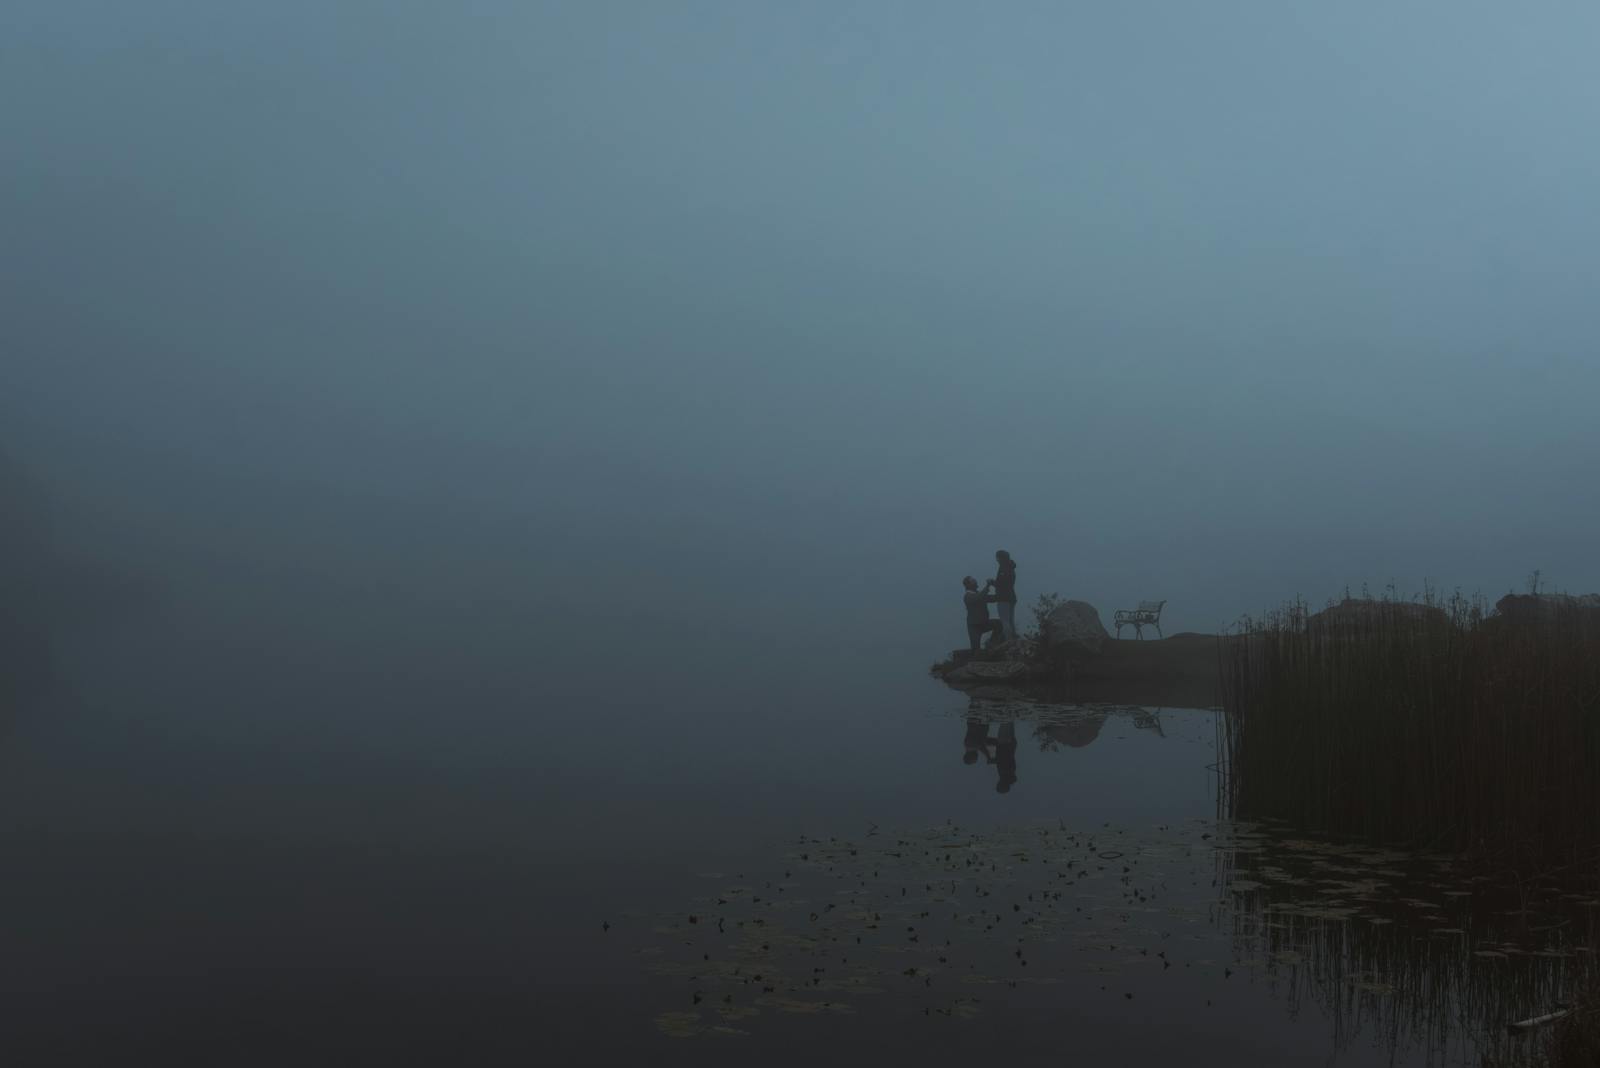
(291, 836)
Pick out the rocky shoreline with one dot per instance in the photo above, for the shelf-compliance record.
(1074, 652)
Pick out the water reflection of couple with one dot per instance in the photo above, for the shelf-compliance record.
(1001, 751)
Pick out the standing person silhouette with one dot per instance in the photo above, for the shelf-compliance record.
(1005, 591)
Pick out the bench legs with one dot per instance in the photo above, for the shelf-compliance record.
(1138, 627)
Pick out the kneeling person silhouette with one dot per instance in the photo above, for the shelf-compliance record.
(978, 621)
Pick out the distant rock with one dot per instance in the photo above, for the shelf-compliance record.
(1074, 625)
(1546, 607)
(1355, 612)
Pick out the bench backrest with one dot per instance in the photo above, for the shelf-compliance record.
(1151, 606)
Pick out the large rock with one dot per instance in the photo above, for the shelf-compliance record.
(1015, 649)
(975, 672)
(1074, 625)
(995, 650)
(999, 671)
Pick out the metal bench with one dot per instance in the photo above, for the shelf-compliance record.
(1148, 612)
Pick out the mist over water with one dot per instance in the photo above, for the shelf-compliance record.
(446, 449)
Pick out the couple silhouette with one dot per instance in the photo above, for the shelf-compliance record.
(1004, 597)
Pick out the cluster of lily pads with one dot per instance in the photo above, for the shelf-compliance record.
(943, 920)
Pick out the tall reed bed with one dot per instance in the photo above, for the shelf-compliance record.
(1431, 723)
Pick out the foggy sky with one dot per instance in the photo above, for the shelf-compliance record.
(782, 318)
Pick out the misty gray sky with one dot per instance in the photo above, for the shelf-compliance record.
(759, 311)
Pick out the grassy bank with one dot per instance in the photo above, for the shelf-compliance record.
(1430, 724)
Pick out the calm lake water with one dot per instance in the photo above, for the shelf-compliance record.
(344, 836)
